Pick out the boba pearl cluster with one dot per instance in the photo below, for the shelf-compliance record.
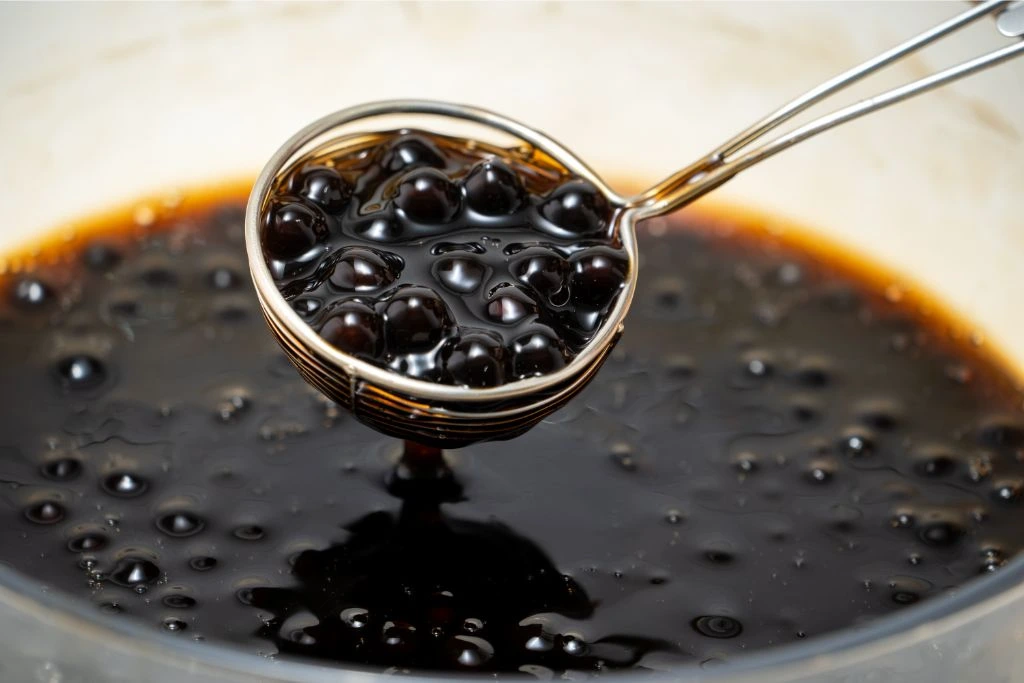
(443, 260)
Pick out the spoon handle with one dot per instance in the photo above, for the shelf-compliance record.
(727, 160)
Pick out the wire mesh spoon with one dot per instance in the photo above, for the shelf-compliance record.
(452, 416)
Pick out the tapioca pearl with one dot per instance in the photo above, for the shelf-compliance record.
(576, 209)
(493, 189)
(545, 272)
(597, 276)
(459, 274)
(536, 354)
(408, 152)
(477, 360)
(31, 293)
(322, 186)
(509, 305)
(355, 328)
(415, 319)
(81, 372)
(364, 270)
(291, 229)
(428, 196)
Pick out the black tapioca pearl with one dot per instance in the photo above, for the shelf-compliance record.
(426, 195)
(291, 229)
(545, 272)
(493, 189)
(577, 209)
(477, 360)
(411, 151)
(355, 328)
(415, 319)
(597, 276)
(535, 354)
(323, 186)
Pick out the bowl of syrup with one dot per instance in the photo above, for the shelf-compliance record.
(801, 460)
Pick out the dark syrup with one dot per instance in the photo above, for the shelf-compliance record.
(775, 450)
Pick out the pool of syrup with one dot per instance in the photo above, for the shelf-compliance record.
(782, 445)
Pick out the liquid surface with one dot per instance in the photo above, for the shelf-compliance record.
(774, 451)
(444, 261)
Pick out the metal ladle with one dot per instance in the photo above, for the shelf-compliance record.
(453, 416)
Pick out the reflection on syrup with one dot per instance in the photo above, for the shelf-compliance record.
(438, 588)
